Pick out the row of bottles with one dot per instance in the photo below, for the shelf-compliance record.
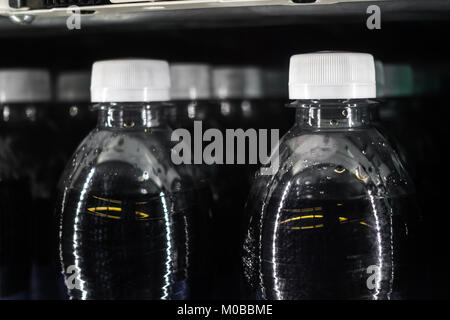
(338, 218)
(42, 123)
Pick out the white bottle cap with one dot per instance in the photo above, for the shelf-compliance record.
(190, 81)
(73, 86)
(332, 75)
(237, 83)
(24, 85)
(130, 80)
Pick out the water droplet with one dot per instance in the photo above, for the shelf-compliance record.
(333, 122)
(345, 112)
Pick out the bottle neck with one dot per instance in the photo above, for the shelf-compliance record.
(131, 116)
(333, 114)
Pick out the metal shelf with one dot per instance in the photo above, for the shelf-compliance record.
(219, 13)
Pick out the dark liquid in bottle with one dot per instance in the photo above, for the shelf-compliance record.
(364, 247)
(122, 246)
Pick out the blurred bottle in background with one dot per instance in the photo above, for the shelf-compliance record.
(72, 112)
(17, 113)
(128, 215)
(398, 91)
(416, 90)
(389, 114)
(238, 91)
(190, 93)
(276, 96)
(38, 157)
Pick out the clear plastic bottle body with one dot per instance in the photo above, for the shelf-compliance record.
(128, 216)
(337, 220)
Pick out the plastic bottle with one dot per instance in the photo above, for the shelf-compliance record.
(127, 213)
(238, 92)
(337, 220)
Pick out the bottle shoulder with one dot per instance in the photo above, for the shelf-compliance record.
(336, 164)
(138, 161)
